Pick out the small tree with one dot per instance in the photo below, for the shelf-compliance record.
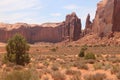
(17, 50)
(82, 51)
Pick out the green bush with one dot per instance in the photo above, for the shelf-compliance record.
(90, 56)
(17, 50)
(82, 53)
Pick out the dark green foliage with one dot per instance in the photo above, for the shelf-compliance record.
(82, 51)
(17, 50)
(90, 56)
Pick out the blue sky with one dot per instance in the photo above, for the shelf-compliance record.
(41, 11)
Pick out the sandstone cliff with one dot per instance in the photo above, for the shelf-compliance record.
(116, 16)
(102, 23)
(73, 26)
(88, 25)
(48, 32)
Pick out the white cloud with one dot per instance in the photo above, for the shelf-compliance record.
(12, 11)
(71, 7)
(13, 5)
(55, 14)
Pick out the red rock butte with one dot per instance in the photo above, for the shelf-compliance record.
(47, 32)
(105, 23)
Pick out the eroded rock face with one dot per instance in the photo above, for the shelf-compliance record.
(107, 19)
(88, 26)
(116, 16)
(48, 32)
(73, 26)
(102, 23)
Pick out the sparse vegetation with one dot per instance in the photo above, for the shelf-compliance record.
(115, 69)
(56, 75)
(82, 51)
(76, 77)
(72, 72)
(118, 75)
(64, 63)
(98, 65)
(90, 56)
(81, 65)
(20, 75)
(97, 76)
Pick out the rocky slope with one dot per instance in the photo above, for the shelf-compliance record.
(48, 32)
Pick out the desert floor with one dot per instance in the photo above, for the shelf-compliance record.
(61, 62)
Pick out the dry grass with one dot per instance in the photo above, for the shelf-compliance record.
(56, 75)
(64, 63)
(97, 76)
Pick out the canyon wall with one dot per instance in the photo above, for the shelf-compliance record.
(107, 18)
(116, 16)
(102, 23)
(48, 32)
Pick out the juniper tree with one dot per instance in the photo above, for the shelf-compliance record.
(17, 50)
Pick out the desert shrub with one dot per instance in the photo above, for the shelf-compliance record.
(72, 72)
(54, 67)
(82, 51)
(97, 76)
(17, 50)
(115, 69)
(81, 65)
(113, 59)
(90, 56)
(56, 75)
(69, 46)
(76, 77)
(98, 65)
(84, 47)
(118, 75)
(21, 75)
(90, 61)
(107, 66)
(46, 63)
(54, 49)
(46, 78)
(18, 67)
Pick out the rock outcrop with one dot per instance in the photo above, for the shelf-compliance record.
(116, 16)
(73, 26)
(88, 25)
(103, 21)
(107, 18)
(48, 32)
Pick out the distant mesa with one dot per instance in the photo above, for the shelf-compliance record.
(47, 32)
